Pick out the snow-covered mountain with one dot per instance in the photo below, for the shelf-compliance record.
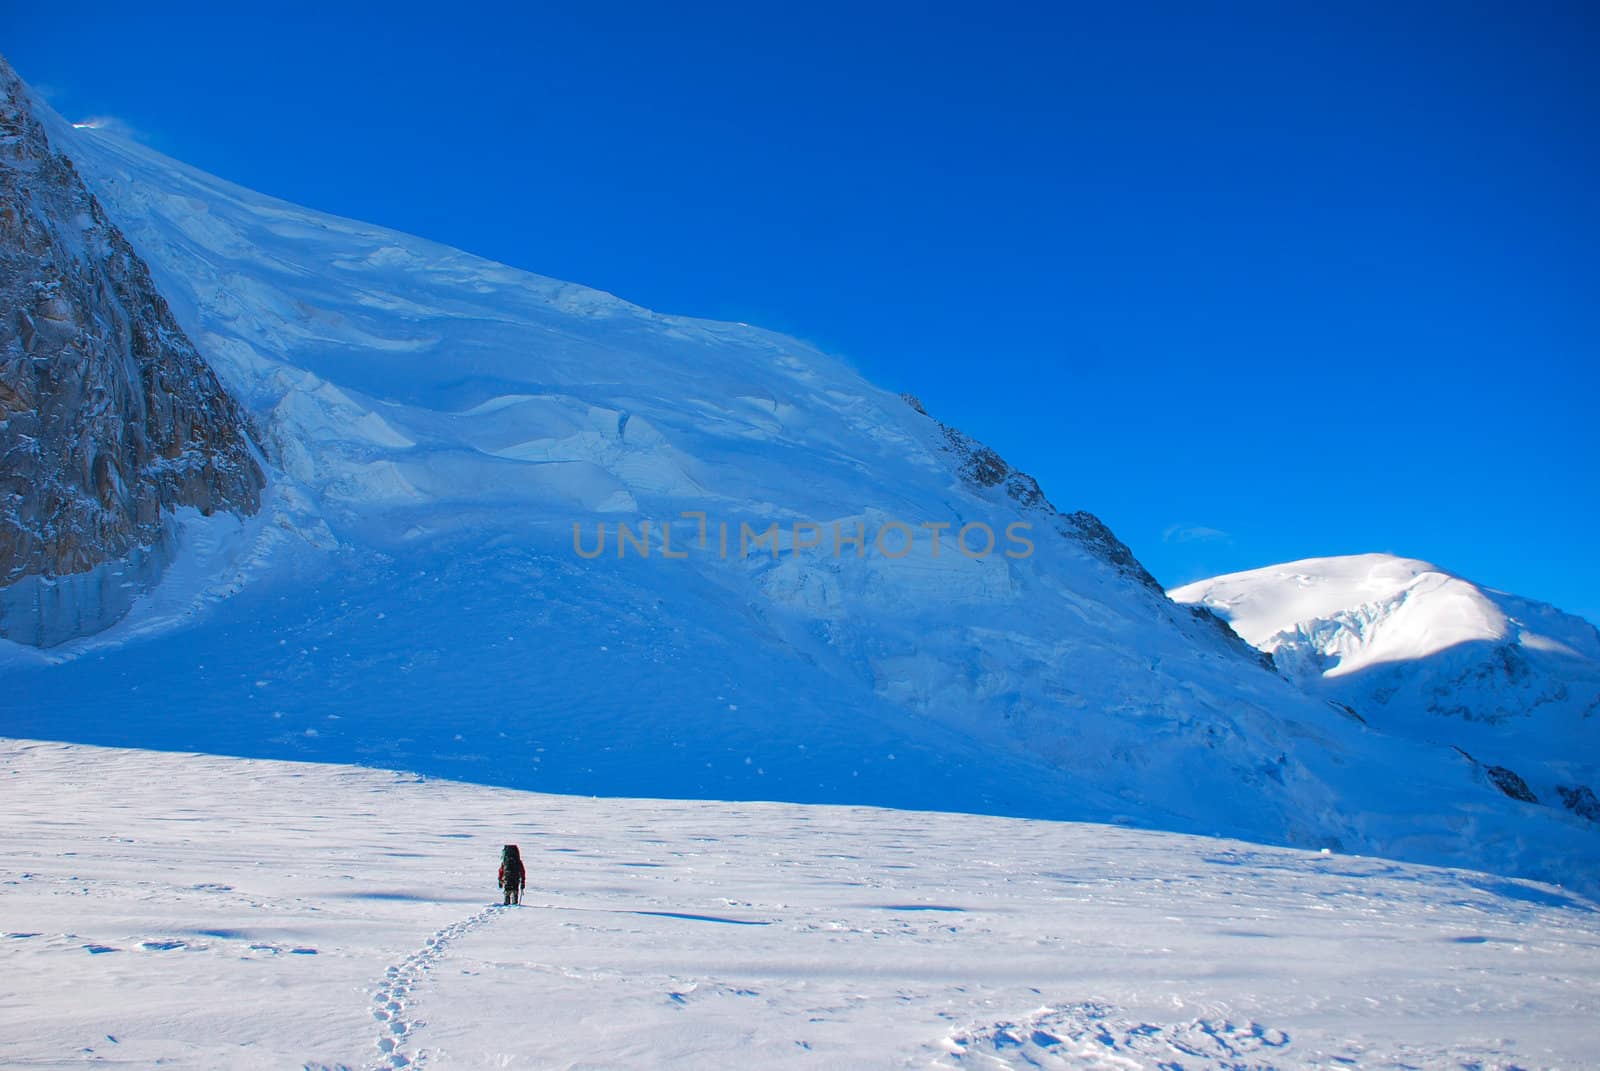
(1418, 651)
(450, 439)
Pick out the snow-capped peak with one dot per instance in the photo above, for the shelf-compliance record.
(1364, 610)
(1417, 651)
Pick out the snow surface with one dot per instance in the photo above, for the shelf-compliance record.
(411, 598)
(278, 915)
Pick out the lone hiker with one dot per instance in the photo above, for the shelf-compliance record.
(513, 875)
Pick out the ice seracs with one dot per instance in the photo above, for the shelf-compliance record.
(1368, 609)
(1420, 651)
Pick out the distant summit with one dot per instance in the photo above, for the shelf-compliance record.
(1417, 650)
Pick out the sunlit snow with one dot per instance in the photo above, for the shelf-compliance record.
(277, 915)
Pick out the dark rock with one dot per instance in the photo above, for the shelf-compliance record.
(1093, 533)
(109, 417)
(983, 468)
(1346, 708)
(1580, 800)
(1509, 783)
(978, 464)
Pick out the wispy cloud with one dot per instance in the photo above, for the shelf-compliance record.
(1194, 533)
(61, 100)
(111, 124)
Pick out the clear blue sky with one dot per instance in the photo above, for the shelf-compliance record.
(1250, 282)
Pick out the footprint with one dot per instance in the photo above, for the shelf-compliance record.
(1098, 1032)
(390, 998)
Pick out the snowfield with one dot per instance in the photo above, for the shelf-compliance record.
(202, 912)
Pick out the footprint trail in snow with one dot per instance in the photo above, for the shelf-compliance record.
(391, 1002)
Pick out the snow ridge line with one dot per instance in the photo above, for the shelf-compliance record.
(391, 1002)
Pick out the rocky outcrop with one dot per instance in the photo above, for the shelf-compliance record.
(109, 417)
(1347, 710)
(1509, 782)
(1581, 801)
(1093, 533)
(980, 467)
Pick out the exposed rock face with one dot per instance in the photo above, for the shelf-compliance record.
(981, 467)
(1580, 800)
(1511, 784)
(1507, 780)
(109, 418)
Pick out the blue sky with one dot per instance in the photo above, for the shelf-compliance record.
(1252, 283)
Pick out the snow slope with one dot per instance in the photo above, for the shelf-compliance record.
(411, 595)
(292, 915)
(1420, 652)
